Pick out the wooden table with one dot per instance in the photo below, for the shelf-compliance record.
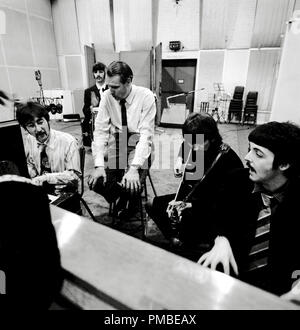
(107, 269)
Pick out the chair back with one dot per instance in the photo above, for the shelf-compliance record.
(238, 93)
(82, 162)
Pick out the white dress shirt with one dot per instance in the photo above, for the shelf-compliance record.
(141, 110)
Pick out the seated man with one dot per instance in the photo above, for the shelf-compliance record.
(266, 195)
(92, 97)
(209, 162)
(124, 129)
(52, 157)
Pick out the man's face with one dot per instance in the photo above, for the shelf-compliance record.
(39, 128)
(118, 90)
(260, 162)
(99, 76)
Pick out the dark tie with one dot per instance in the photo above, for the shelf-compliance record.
(260, 248)
(123, 112)
(45, 165)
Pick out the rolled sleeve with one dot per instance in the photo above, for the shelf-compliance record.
(146, 130)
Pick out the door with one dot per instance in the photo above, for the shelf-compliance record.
(90, 59)
(179, 76)
(157, 81)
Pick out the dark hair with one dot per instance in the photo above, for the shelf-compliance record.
(120, 68)
(202, 123)
(98, 66)
(283, 139)
(28, 111)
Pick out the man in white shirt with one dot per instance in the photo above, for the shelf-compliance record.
(123, 135)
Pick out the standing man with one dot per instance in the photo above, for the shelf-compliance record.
(123, 135)
(259, 211)
(52, 157)
(92, 97)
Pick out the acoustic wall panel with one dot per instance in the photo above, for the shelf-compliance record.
(240, 20)
(17, 4)
(16, 41)
(262, 69)
(51, 79)
(65, 27)
(74, 72)
(43, 43)
(269, 23)
(23, 82)
(235, 69)
(139, 62)
(213, 24)
(40, 7)
(210, 69)
(178, 22)
(4, 80)
(286, 105)
(1, 52)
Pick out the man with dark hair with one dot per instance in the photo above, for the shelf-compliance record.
(92, 97)
(124, 130)
(186, 221)
(259, 211)
(52, 156)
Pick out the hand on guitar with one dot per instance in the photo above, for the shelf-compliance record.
(178, 207)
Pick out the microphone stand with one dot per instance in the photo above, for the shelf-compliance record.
(182, 94)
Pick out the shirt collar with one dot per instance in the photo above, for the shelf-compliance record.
(130, 97)
(279, 194)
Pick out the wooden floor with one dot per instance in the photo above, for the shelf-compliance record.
(166, 144)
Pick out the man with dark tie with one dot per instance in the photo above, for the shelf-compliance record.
(259, 214)
(123, 135)
(92, 97)
(52, 156)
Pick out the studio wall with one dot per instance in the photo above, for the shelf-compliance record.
(27, 45)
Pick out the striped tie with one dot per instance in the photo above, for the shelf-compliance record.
(45, 165)
(259, 251)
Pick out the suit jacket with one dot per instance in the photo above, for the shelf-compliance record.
(238, 212)
(87, 98)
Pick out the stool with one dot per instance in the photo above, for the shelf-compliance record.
(143, 195)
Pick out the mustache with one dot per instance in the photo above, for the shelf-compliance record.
(250, 167)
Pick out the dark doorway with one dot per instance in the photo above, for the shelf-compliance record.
(179, 76)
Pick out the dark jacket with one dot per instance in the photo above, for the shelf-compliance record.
(87, 99)
(238, 210)
(29, 254)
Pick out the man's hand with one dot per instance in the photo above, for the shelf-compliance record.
(39, 180)
(179, 206)
(221, 253)
(131, 181)
(98, 172)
